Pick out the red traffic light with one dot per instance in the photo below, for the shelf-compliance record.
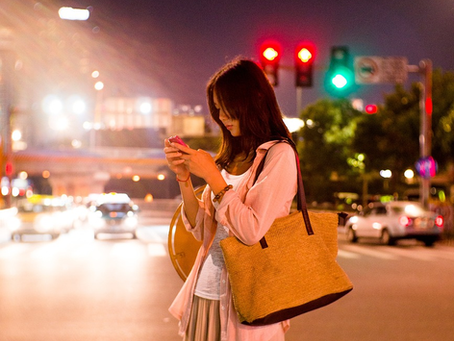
(270, 54)
(9, 168)
(371, 109)
(304, 58)
(304, 55)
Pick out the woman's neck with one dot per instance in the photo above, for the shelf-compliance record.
(240, 164)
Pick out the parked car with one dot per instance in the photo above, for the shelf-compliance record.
(41, 218)
(113, 213)
(393, 221)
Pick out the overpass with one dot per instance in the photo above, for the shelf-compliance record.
(79, 172)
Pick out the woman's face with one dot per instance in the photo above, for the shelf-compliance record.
(232, 125)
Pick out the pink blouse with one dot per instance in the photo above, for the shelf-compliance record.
(248, 212)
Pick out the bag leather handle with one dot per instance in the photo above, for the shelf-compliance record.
(301, 196)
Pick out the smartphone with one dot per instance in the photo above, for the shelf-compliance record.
(177, 139)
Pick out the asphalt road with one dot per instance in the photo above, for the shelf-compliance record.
(77, 288)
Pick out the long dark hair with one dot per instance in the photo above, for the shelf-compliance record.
(245, 92)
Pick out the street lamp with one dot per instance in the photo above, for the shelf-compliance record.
(386, 173)
(69, 13)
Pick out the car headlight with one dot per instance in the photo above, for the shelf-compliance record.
(44, 223)
(131, 222)
(14, 223)
(96, 221)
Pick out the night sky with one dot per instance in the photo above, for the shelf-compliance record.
(177, 45)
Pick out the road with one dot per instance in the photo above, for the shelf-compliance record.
(77, 288)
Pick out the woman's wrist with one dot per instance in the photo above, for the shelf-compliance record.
(183, 179)
(216, 182)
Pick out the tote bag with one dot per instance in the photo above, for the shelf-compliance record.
(291, 271)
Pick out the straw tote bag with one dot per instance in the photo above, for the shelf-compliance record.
(291, 271)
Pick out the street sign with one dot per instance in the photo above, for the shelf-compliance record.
(373, 69)
(426, 167)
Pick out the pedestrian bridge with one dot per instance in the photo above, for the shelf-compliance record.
(83, 171)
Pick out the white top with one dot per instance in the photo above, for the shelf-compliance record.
(210, 274)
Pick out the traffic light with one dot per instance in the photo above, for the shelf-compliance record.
(340, 77)
(304, 58)
(9, 169)
(270, 55)
(371, 109)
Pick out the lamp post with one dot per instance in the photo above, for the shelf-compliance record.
(99, 86)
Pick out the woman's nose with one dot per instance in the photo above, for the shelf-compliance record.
(222, 115)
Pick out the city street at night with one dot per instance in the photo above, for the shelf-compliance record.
(79, 288)
(114, 112)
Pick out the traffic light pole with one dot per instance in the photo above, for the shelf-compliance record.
(425, 107)
(299, 100)
(425, 139)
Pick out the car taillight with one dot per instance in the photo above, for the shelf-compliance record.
(405, 221)
(439, 221)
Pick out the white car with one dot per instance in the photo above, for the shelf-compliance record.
(113, 213)
(395, 220)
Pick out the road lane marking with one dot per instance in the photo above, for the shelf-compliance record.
(83, 251)
(48, 250)
(369, 252)
(156, 250)
(13, 250)
(413, 253)
(347, 254)
(150, 235)
(128, 250)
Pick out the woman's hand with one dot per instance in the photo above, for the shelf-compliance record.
(198, 162)
(174, 160)
(183, 160)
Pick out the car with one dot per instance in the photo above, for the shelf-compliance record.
(40, 218)
(6, 215)
(113, 213)
(395, 220)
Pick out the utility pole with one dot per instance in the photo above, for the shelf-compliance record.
(7, 62)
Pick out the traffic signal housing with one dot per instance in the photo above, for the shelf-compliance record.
(304, 59)
(270, 55)
(340, 77)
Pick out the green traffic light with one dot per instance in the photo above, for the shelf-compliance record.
(339, 81)
(340, 77)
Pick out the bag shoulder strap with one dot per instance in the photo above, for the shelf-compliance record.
(301, 196)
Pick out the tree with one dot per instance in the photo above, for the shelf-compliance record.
(443, 118)
(324, 146)
(390, 139)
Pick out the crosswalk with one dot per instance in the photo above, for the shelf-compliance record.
(83, 246)
(393, 253)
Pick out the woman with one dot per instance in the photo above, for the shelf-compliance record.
(242, 102)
